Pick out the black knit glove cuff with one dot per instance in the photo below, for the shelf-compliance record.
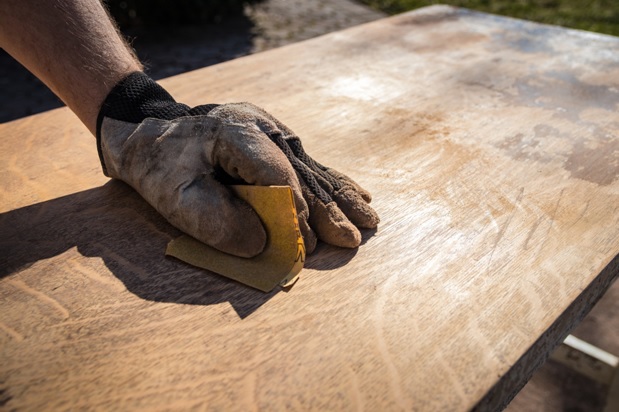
(138, 97)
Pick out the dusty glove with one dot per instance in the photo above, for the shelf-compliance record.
(180, 160)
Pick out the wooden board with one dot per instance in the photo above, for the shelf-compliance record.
(491, 147)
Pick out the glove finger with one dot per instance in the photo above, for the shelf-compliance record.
(351, 202)
(211, 213)
(336, 179)
(365, 195)
(314, 182)
(248, 154)
(356, 208)
(329, 223)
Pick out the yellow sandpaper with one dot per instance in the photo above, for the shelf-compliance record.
(283, 256)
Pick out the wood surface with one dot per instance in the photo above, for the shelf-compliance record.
(491, 148)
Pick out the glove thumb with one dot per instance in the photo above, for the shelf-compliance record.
(212, 214)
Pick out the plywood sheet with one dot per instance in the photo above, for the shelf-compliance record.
(491, 147)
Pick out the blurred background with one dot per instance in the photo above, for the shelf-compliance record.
(594, 15)
(175, 36)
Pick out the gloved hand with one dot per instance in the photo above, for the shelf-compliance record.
(180, 160)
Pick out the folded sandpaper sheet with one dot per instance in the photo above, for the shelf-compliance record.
(283, 256)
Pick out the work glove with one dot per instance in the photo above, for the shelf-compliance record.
(181, 159)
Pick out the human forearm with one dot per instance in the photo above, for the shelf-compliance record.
(71, 45)
(178, 158)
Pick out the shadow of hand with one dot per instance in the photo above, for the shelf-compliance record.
(114, 223)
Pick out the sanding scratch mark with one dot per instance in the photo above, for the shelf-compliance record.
(12, 332)
(504, 228)
(449, 373)
(490, 216)
(554, 212)
(531, 231)
(64, 313)
(94, 275)
(356, 390)
(394, 376)
(582, 214)
(552, 218)
(108, 253)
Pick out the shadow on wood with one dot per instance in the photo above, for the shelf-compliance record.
(114, 223)
(327, 257)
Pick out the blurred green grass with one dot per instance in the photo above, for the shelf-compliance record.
(594, 15)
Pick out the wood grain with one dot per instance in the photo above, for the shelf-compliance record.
(491, 148)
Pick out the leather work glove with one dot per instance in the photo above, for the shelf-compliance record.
(180, 160)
